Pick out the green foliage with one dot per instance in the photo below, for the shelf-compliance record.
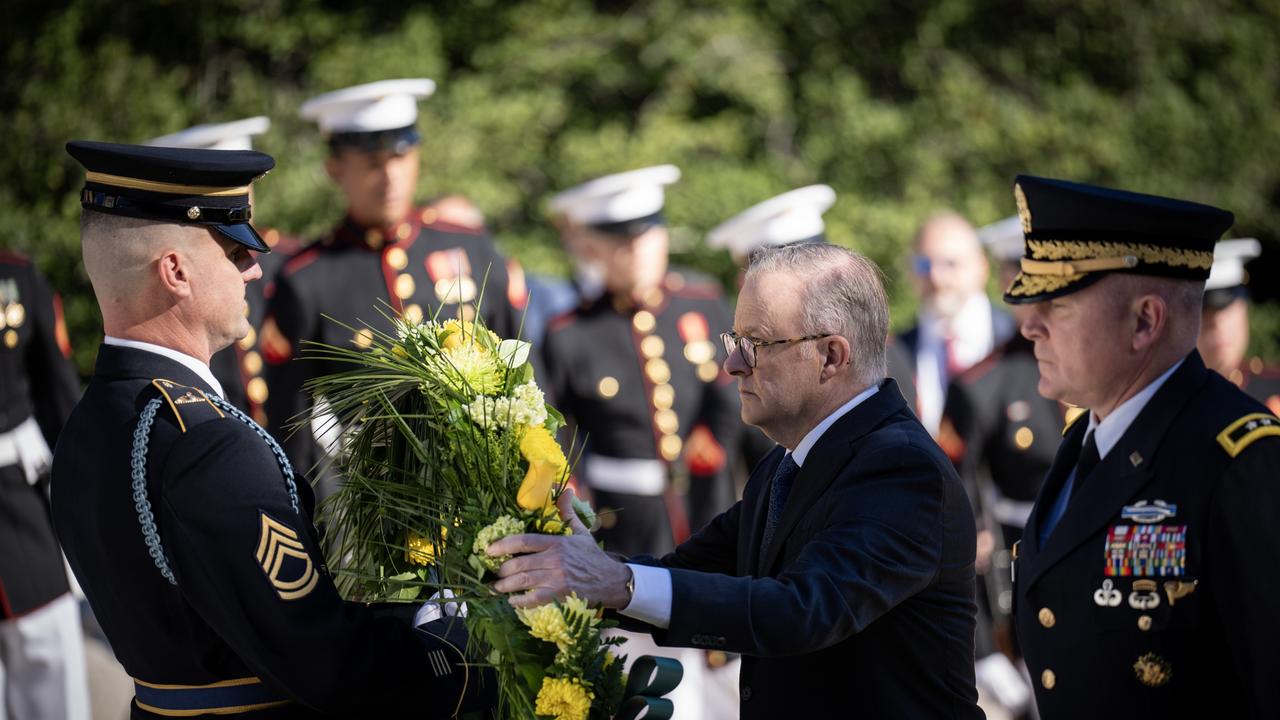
(904, 108)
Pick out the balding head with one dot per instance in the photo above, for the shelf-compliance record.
(950, 266)
(179, 286)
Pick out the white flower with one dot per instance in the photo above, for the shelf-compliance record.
(526, 407)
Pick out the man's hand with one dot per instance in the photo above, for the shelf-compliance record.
(549, 567)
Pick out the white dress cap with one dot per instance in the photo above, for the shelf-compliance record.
(619, 198)
(373, 107)
(235, 135)
(1229, 257)
(1003, 239)
(790, 217)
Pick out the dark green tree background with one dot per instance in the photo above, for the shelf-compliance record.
(904, 107)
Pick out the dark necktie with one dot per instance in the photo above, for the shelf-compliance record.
(779, 488)
(1084, 465)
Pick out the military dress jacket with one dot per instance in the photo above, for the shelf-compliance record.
(636, 380)
(355, 275)
(863, 605)
(194, 545)
(37, 384)
(1154, 595)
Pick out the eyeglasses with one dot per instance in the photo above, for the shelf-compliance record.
(747, 345)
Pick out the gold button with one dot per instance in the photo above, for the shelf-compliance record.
(10, 338)
(652, 346)
(658, 371)
(664, 396)
(653, 298)
(1255, 365)
(455, 291)
(644, 321)
(1023, 438)
(675, 282)
(670, 446)
(468, 312)
(1048, 679)
(405, 286)
(257, 389)
(709, 371)
(246, 342)
(252, 363)
(363, 338)
(373, 239)
(607, 387)
(429, 216)
(397, 258)
(402, 231)
(667, 421)
(1236, 377)
(413, 314)
(2, 320)
(699, 352)
(1047, 618)
(15, 314)
(1144, 623)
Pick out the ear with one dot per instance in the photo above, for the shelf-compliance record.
(174, 270)
(836, 355)
(1151, 315)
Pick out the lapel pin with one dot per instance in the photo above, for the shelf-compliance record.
(1136, 458)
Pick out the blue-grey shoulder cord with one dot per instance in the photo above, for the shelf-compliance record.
(138, 464)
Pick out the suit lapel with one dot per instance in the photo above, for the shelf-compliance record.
(755, 507)
(825, 461)
(1122, 473)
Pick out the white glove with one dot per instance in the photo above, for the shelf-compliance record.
(438, 607)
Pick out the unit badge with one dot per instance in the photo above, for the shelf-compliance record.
(285, 560)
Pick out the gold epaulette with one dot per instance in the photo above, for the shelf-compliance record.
(189, 404)
(1244, 432)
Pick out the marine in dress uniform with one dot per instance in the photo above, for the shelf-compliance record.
(240, 368)
(1142, 585)
(183, 519)
(637, 371)
(1224, 325)
(386, 256)
(42, 672)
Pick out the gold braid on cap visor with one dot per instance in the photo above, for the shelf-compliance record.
(1055, 264)
(164, 187)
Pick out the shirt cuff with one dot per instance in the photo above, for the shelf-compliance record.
(651, 601)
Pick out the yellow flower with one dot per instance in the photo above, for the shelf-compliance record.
(609, 658)
(455, 332)
(574, 607)
(563, 699)
(421, 551)
(546, 623)
(546, 467)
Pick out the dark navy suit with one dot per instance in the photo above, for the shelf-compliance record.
(864, 604)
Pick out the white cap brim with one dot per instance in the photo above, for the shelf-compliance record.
(1003, 238)
(235, 135)
(790, 217)
(1229, 257)
(373, 107)
(616, 198)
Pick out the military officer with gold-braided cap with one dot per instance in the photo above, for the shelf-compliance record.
(637, 367)
(1143, 582)
(240, 367)
(386, 255)
(182, 518)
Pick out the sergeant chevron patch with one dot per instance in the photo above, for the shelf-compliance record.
(1243, 432)
(285, 560)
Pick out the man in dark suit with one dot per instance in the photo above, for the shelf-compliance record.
(845, 575)
(182, 519)
(1142, 583)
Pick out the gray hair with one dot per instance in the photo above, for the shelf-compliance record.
(845, 296)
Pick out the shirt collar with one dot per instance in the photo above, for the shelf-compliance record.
(191, 363)
(811, 438)
(1108, 432)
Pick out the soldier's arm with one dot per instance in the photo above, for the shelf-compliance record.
(54, 385)
(1242, 550)
(245, 561)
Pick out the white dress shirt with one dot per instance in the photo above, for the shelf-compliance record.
(191, 363)
(651, 601)
(1109, 431)
(973, 338)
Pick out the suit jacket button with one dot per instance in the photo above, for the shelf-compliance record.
(1048, 679)
(746, 693)
(1047, 617)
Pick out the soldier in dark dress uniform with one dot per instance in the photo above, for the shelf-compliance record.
(637, 369)
(1142, 584)
(42, 673)
(1224, 326)
(240, 368)
(386, 256)
(183, 519)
